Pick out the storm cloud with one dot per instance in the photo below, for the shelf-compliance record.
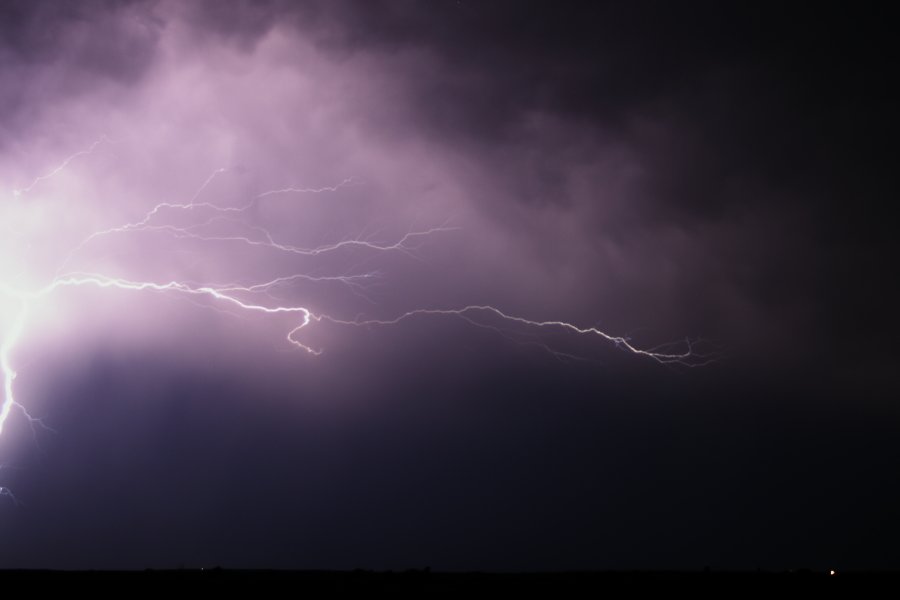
(661, 172)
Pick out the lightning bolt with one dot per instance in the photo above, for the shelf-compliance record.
(689, 357)
(65, 163)
(210, 223)
(9, 374)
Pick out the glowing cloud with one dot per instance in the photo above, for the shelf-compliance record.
(102, 218)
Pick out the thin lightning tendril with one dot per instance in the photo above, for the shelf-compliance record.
(89, 150)
(258, 297)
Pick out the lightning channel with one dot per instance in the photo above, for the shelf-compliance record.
(213, 225)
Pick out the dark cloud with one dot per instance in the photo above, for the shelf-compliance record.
(764, 134)
(665, 170)
(51, 49)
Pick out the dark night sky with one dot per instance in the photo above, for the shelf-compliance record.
(659, 169)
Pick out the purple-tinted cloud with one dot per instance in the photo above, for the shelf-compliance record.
(173, 173)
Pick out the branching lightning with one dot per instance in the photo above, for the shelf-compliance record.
(212, 225)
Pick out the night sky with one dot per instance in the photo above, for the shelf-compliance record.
(660, 171)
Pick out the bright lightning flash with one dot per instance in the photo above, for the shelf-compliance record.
(212, 225)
